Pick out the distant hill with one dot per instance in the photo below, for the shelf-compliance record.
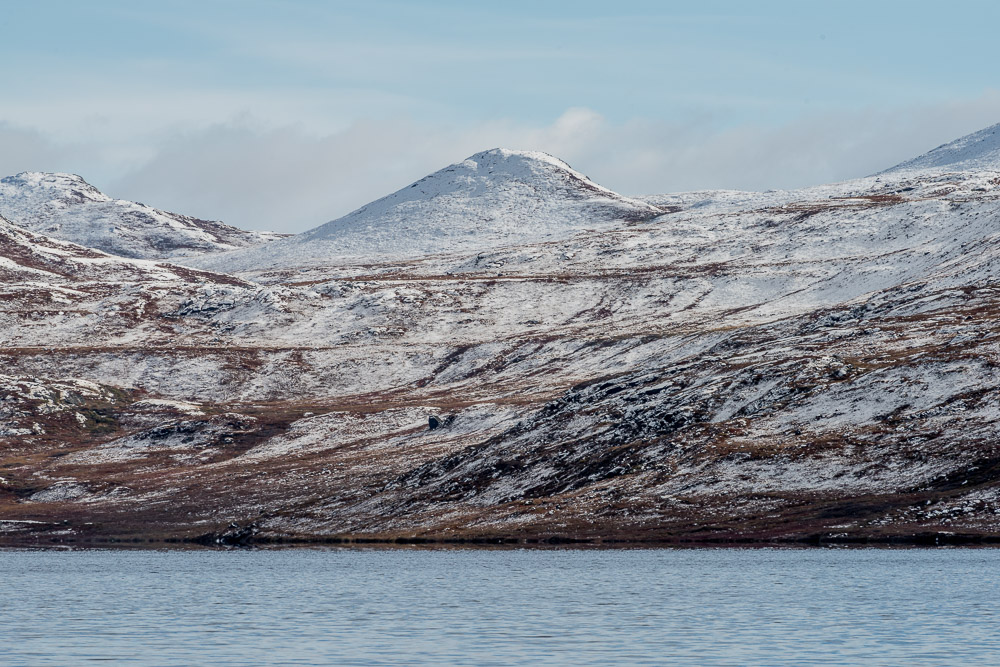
(64, 206)
(974, 152)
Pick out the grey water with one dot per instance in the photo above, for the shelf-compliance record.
(475, 607)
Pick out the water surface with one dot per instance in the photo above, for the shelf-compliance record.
(353, 607)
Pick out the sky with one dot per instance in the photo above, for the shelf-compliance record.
(285, 114)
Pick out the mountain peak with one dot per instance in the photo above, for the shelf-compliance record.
(55, 183)
(973, 152)
(532, 165)
(495, 156)
(65, 206)
(495, 193)
(492, 198)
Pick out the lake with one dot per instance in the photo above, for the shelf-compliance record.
(485, 607)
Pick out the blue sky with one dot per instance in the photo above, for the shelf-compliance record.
(286, 114)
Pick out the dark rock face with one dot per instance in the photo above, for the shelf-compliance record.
(436, 421)
(234, 535)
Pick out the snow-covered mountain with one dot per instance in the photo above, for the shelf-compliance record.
(805, 365)
(66, 207)
(979, 151)
(494, 198)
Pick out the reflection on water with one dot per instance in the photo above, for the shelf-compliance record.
(677, 607)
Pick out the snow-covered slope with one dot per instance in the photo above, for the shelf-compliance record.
(70, 295)
(974, 152)
(497, 197)
(751, 366)
(66, 207)
(38, 260)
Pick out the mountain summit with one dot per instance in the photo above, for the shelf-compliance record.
(66, 207)
(974, 152)
(497, 192)
(492, 198)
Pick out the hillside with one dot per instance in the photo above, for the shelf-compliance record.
(804, 366)
(494, 198)
(66, 207)
(69, 295)
(979, 151)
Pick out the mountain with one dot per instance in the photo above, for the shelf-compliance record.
(494, 198)
(66, 207)
(802, 367)
(979, 151)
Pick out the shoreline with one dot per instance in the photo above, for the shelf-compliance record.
(215, 542)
